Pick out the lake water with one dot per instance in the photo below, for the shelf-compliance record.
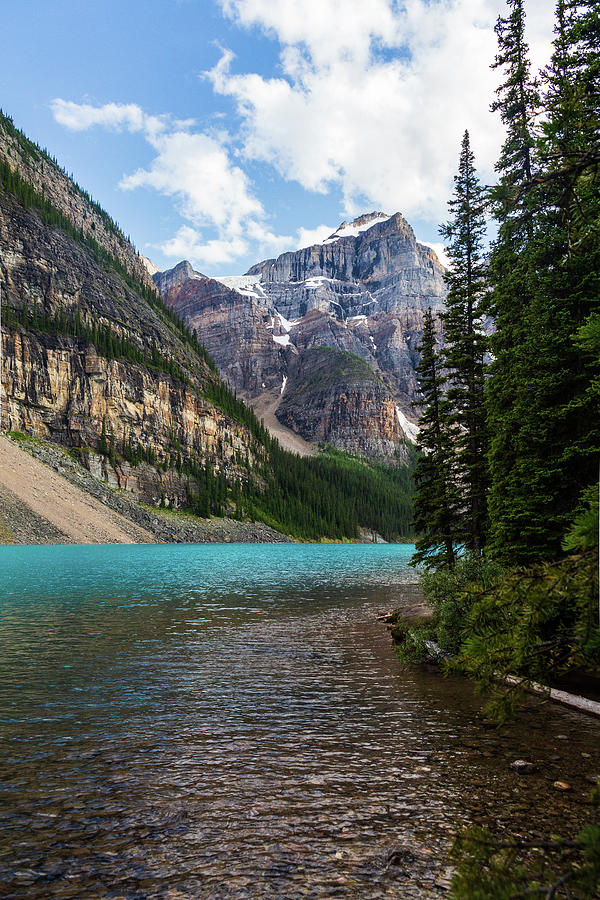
(230, 721)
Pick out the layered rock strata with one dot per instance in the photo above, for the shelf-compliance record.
(335, 397)
(363, 291)
(58, 386)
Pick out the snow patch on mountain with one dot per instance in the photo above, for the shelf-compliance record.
(410, 429)
(353, 229)
(286, 324)
(243, 284)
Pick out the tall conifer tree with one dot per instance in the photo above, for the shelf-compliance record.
(511, 290)
(545, 431)
(436, 501)
(465, 345)
(517, 101)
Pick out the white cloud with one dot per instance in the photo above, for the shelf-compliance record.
(118, 116)
(374, 98)
(331, 29)
(196, 170)
(189, 244)
(307, 237)
(371, 100)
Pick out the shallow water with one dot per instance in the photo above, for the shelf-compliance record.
(230, 721)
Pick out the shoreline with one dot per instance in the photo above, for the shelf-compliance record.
(419, 611)
(46, 497)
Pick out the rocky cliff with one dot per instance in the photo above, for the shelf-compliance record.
(43, 173)
(94, 361)
(363, 291)
(91, 358)
(335, 397)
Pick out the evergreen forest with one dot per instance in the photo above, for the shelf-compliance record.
(506, 505)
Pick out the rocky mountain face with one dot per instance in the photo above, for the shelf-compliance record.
(91, 358)
(47, 178)
(362, 293)
(335, 397)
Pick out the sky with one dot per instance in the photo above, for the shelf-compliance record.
(229, 131)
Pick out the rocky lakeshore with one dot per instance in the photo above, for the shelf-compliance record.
(30, 509)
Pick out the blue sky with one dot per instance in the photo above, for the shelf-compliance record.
(228, 131)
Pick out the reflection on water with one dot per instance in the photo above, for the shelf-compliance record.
(230, 721)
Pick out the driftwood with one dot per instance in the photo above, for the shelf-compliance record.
(575, 701)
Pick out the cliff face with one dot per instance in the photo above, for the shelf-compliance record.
(237, 327)
(367, 252)
(47, 178)
(60, 390)
(363, 291)
(92, 363)
(335, 397)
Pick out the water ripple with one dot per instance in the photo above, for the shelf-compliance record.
(229, 722)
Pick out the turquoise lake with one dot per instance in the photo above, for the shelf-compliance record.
(230, 720)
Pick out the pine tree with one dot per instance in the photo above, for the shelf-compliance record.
(544, 421)
(518, 102)
(511, 290)
(435, 502)
(569, 257)
(465, 346)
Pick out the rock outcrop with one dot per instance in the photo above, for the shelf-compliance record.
(335, 397)
(48, 179)
(40, 506)
(145, 394)
(363, 291)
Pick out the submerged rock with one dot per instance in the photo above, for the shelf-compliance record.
(523, 767)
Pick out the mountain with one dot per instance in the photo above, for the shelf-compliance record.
(91, 356)
(361, 294)
(93, 360)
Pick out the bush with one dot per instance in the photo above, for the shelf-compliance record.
(536, 623)
(452, 593)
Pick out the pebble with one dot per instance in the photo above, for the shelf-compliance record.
(523, 767)
(561, 786)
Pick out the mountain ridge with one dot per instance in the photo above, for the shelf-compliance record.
(96, 362)
(362, 291)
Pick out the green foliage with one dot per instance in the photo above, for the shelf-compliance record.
(583, 533)
(535, 624)
(452, 476)
(452, 592)
(29, 198)
(330, 495)
(464, 350)
(412, 641)
(538, 621)
(324, 366)
(436, 495)
(518, 102)
(542, 392)
(107, 342)
(492, 869)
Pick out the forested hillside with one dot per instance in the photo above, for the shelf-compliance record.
(95, 361)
